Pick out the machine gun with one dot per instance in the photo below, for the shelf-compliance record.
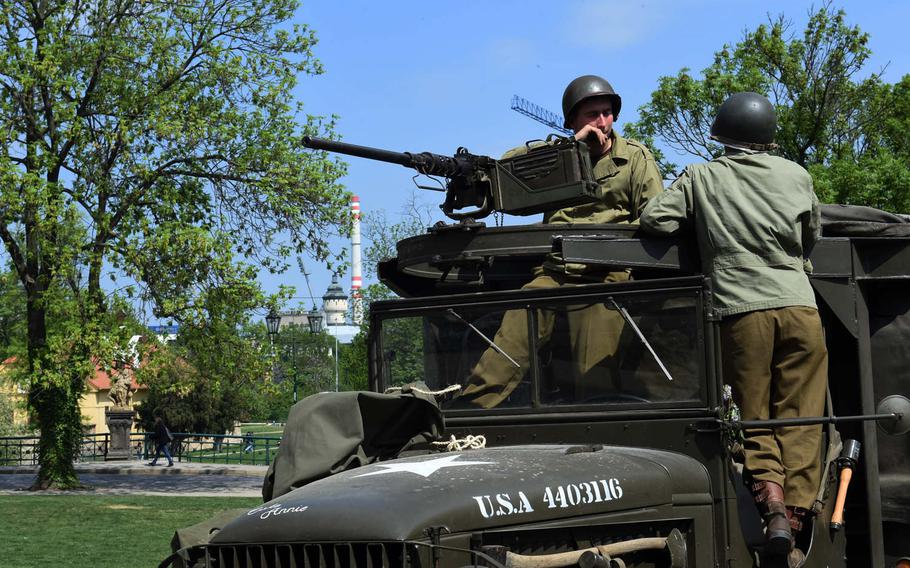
(549, 176)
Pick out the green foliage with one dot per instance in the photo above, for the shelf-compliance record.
(879, 180)
(402, 343)
(158, 139)
(834, 118)
(12, 322)
(303, 358)
(215, 373)
(353, 363)
(7, 407)
(895, 132)
(79, 340)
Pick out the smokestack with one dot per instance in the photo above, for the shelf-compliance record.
(356, 281)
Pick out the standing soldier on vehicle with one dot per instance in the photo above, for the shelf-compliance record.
(756, 218)
(628, 177)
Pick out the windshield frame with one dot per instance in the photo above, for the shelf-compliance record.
(563, 296)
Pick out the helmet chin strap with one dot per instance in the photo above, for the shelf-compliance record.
(744, 146)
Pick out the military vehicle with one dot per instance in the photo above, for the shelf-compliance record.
(629, 462)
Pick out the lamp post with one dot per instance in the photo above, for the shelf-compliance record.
(273, 324)
(314, 320)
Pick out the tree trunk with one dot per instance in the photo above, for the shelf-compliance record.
(59, 419)
(54, 401)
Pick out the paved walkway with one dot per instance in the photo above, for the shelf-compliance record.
(135, 478)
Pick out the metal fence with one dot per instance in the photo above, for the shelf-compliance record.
(213, 448)
(186, 447)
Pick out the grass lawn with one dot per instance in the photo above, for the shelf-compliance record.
(99, 531)
(262, 429)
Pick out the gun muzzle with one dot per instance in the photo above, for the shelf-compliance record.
(849, 456)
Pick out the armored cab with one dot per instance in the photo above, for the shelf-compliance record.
(624, 455)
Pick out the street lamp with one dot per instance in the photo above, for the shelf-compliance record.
(273, 323)
(314, 319)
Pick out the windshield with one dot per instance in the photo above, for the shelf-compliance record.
(632, 348)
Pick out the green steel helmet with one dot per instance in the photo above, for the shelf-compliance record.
(585, 87)
(746, 121)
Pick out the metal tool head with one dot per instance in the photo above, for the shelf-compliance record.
(849, 455)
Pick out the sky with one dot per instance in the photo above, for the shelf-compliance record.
(438, 75)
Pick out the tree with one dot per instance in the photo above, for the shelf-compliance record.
(304, 358)
(153, 139)
(7, 414)
(12, 327)
(353, 361)
(879, 175)
(831, 119)
(214, 373)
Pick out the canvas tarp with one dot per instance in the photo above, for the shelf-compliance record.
(332, 432)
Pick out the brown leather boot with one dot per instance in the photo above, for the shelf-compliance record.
(769, 497)
(798, 518)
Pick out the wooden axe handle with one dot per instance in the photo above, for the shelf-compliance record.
(837, 517)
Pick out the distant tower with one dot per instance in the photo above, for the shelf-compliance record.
(356, 281)
(335, 304)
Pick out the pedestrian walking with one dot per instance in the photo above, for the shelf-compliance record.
(163, 438)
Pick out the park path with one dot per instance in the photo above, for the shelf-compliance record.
(136, 478)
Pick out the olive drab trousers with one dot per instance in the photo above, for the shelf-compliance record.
(776, 363)
(594, 334)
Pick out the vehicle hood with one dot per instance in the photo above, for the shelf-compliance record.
(472, 490)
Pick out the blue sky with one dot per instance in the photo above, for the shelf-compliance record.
(433, 76)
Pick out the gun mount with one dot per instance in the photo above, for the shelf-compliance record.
(547, 177)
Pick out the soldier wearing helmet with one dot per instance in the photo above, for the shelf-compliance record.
(624, 168)
(628, 177)
(756, 218)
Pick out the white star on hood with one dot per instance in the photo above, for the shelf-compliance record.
(425, 468)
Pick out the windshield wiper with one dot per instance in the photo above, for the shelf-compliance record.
(489, 341)
(625, 315)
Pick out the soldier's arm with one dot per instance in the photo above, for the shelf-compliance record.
(811, 224)
(666, 213)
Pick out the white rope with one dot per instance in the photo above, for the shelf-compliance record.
(469, 442)
(447, 390)
(453, 444)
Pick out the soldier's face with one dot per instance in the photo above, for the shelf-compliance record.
(596, 112)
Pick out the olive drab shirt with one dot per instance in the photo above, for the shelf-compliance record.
(756, 218)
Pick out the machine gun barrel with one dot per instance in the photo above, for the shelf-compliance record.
(356, 150)
(424, 162)
(544, 178)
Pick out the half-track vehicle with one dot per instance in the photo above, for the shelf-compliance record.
(629, 462)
